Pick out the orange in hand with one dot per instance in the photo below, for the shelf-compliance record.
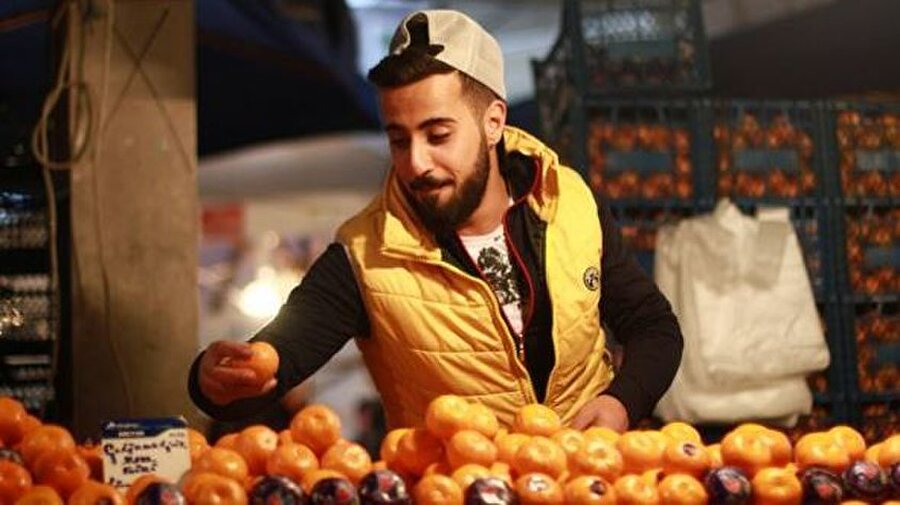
(263, 362)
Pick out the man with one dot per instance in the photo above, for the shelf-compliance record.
(483, 269)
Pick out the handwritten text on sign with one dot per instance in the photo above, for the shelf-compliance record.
(136, 447)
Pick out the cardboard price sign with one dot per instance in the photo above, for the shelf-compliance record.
(136, 447)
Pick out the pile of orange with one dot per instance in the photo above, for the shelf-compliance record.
(460, 442)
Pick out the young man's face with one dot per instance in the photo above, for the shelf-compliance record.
(438, 148)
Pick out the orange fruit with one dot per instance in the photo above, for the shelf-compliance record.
(872, 452)
(317, 427)
(589, 490)
(536, 420)
(292, 460)
(93, 456)
(263, 362)
(640, 451)
(12, 421)
(820, 449)
(446, 415)
(30, 423)
(776, 486)
(139, 484)
(211, 488)
(780, 448)
(313, 476)
(569, 439)
(679, 431)
(389, 444)
(508, 445)
(715, 455)
(538, 488)
(608, 434)
(14, 481)
(540, 455)
(469, 446)
(634, 489)
(483, 420)
(63, 470)
(284, 437)
(681, 489)
(889, 453)
(95, 493)
(350, 459)
(750, 427)
(503, 471)
(47, 437)
(439, 467)
(417, 449)
(686, 457)
(197, 443)
(467, 474)
(224, 462)
(40, 495)
(851, 440)
(255, 444)
(747, 450)
(227, 441)
(599, 458)
(437, 489)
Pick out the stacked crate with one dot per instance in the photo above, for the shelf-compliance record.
(864, 150)
(621, 97)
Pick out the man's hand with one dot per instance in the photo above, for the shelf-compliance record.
(605, 410)
(222, 383)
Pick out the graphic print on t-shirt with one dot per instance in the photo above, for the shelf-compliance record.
(492, 257)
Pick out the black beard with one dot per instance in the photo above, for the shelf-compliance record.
(441, 220)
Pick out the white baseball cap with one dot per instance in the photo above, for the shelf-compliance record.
(453, 38)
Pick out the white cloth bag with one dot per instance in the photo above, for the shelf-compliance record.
(752, 332)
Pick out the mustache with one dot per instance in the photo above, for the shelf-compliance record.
(426, 182)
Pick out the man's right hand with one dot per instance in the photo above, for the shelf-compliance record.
(223, 383)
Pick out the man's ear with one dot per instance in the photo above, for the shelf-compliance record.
(494, 121)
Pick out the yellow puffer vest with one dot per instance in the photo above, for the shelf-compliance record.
(438, 330)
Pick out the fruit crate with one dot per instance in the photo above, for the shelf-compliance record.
(864, 147)
(768, 150)
(639, 228)
(880, 420)
(871, 251)
(554, 91)
(875, 348)
(638, 46)
(644, 151)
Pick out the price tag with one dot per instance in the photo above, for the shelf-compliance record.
(136, 447)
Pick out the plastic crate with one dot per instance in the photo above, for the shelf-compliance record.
(880, 420)
(768, 150)
(865, 146)
(640, 226)
(872, 250)
(644, 149)
(640, 45)
(554, 90)
(875, 346)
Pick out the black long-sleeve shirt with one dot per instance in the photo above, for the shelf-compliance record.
(326, 310)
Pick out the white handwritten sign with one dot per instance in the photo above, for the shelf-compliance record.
(136, 447)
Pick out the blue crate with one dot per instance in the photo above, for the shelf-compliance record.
(769, 150)
(868, 241)
(864, 151)
(645, 149)
(638, 46)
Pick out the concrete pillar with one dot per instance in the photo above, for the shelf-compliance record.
(134, 214)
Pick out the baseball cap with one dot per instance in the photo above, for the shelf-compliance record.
(455, 39)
